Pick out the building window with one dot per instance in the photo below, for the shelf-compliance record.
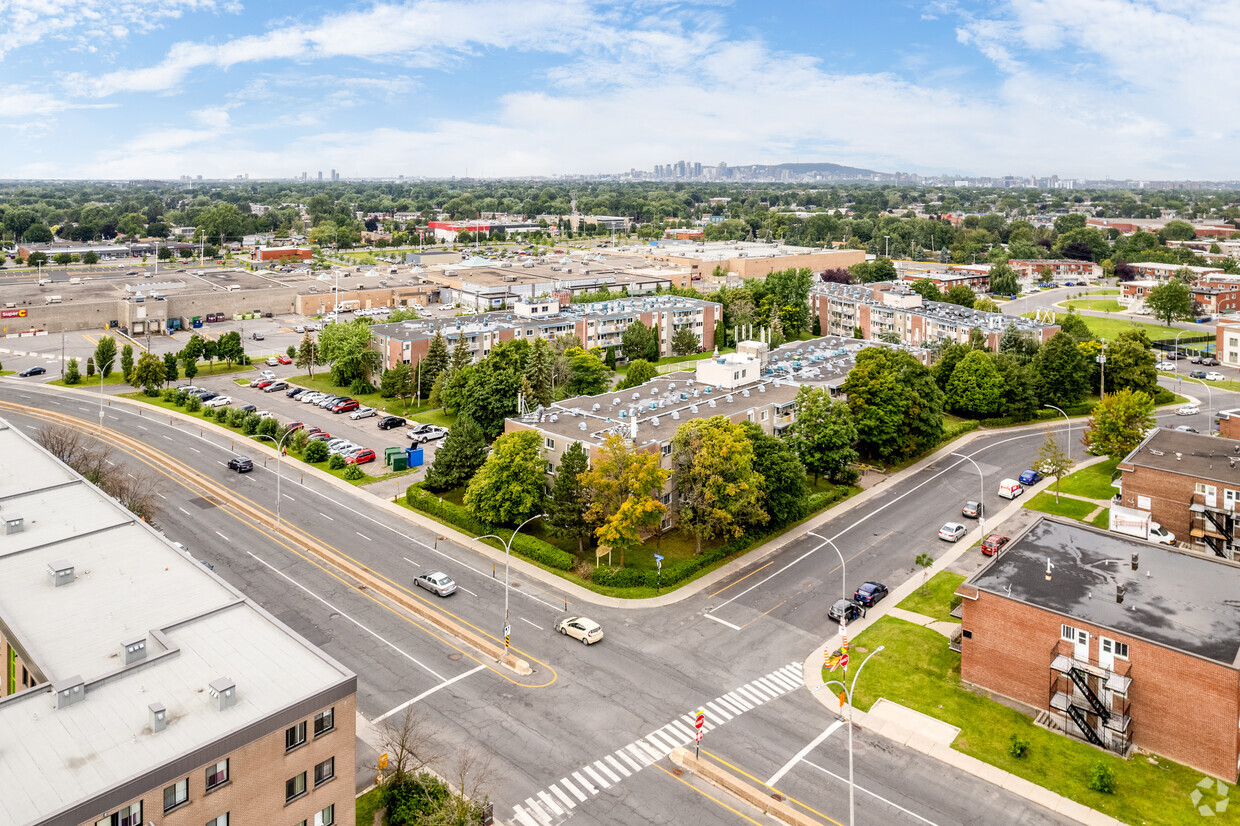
(294, 787)
(130, 815)
(327, 817)
(667, 449)
(325, 771)
(294, 736)
(550, 467)
(324, 721)
(176, 794)
(1120, 649)
(667, 499)
(222, 820)
(550, 444)
(1067, 632)
(764, 415)
(217, 774)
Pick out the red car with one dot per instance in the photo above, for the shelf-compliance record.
(360, 458)
(264, 384)
(994, 543)
(294, 426)
(346, 406)
(283, 359)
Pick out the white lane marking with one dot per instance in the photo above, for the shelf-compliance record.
(620, 768)
(581, 798)
(411, 562)
(722, 622)
(563, 797)
(598, 778)
(386, 642)
(605, 769)
(196, 450)
(870, 793)
(160, 495)
(221, 536)
(140, 427)
(625, 757)
(471, 593)
(585, 784)
(800, 755)
(166, 436)
(428, 693)
(183, 510)
(363, 536)
(527, 622)
(289, 498)
(325, 516)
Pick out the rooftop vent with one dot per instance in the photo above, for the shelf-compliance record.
(13, 524)
(581, 425)
(761, 388)
(637, 396)
(712, 403)
(60, 573)
(728, 398)
(676, 415)
(555, 417)
(616, 400)
(596, 406)
(134, 650)
(158, 716)
(655, 421)
(69, 691)
(693, 408)
(224, 692)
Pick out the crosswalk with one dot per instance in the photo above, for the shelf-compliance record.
(555, 803)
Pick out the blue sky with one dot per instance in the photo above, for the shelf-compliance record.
(163, 88)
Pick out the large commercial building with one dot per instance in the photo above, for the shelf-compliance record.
(1118, 642)
(748, 259)
(138, 687)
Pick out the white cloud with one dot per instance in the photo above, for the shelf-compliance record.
(23, 102)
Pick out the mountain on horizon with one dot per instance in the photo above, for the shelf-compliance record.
(833, 170)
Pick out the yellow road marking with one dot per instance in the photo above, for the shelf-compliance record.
(708, 797)
(741, 771)
(742, 579)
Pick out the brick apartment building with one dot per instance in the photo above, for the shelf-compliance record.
(1158, 271)
(138, 687)
(975, 278)
(1190, 484)
(1062, 270)
(283, 254)
(1227, 342)
(1112, 640)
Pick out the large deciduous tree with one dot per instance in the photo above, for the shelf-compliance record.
(1119, 423)
(718, 492)
(587, 374)
(638, 342)
(639, 372)
(1061, 371)
(347, 348)
(823, 434)
(1170, 301)
(1003, 280)
(960, 295)
(148, 373)
(105, 355)
(897, 406)
(786, 484)
(308, 355)
(624, 487)
(976, 387)
(509, 487)
(539, 373)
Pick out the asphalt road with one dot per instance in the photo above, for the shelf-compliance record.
(575, 731)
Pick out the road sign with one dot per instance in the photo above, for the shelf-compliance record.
(698, 723)
(658, 562)
(383, 760)
(1102, 359)
(507, 633)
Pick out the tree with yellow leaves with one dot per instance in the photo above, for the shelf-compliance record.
(624, 487)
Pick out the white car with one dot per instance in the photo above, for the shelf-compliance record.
(1169, 366)
(272, 361)
(299, 329)
(1213, 376)
(267, 374)
(363, 413)
(580, 628)
(311, 398)
(218, 401)
(1187, 410)
(952, 531)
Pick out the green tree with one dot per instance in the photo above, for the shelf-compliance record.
(896, 404)
(927, 289)
(587, 373)
(1074, 325)
(685, 342)
(61, 258)
(1003, 280)
(951, 355)
(347, 348)
(489, 395)
(638, 342)
(127, 363)
(1017, 342)
(192, 351)
(315, 451)
(823, 434)
(36, 258)
(777, 333)
(170, 367)
(90, 366)
(1118, 423)
(976, 387)
(1170, 301)
(72, 375)
(148, 373)
(460, 354)
(639, 372)
(960, 295)
(308, 355)
(211, 351)
(230, 348)
(785, 483)
(1061, 371)
(1020, 386)
(1053, 460)
(191, 368)
(566, 507)
(623, 488)
(539, 372)
(984, 304)
(460, 455)
(509, 487)
(718, 491)
(90, 258)
(397, 382)
(610, 358)
(105, 355)
(437, 360)
(1130, 363)
(1178, 231)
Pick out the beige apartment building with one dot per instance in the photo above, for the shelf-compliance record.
(750, 260)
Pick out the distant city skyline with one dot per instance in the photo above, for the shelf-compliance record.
(1082, 89)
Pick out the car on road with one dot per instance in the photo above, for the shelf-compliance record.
(1187, 410)
(363, 413)
(283, 359)
(580, 628)
(423, 433)
(389, 422)
(276, 386)
(971, 510)
(869, 593)
(1175, 355)
(994, 543)
(1197, 374)
(1010, 489)
(299, 329)
(1029, 477)
(241, 464)
(272, 361)
(32, 371)
(266, 374)
(952, 531)
(359, 457)
(845, 611)
(1183, 428)
(1213, 376)
(218, 401)
(345, 405)
(1165, 365)
(257, 336)
(436, 581)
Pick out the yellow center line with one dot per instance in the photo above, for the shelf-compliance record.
(707, 796)
(763, 614)
(739, 581)
(739, 770)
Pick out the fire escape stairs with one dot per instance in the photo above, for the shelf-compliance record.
(1079, 677)
(1078, 716)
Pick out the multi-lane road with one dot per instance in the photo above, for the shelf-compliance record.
(584, 736)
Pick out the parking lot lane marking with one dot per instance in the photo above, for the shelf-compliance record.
(196, 450)
(363, 536)
(427, 693)
(221, 536)
(411, 562)
(183, 510)
(722, 622)
(800, 755)
(527, 622)
(870, 793)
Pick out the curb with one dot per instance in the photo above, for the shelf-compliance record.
(747, 792)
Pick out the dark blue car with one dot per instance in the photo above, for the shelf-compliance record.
(1030, 477)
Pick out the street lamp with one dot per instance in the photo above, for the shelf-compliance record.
(279, 462)
(981, 506)
(1209, 399)
(100, 368)
(1177, 347)
(1066, 419)
(507, 555)
(843, 575)
(849, 693)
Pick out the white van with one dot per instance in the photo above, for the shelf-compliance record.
(1010, 489)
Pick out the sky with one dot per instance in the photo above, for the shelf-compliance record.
(121, 89)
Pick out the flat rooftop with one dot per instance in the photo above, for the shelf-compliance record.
(1174, 598)
(1190, 454)
(129, 583)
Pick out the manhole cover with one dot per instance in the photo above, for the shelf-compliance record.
(454, 657)
(516, 585)
(201, 502)
(678, 771)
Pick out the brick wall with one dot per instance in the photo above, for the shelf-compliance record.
(1165, 495)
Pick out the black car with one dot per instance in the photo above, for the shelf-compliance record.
(32, 371)
(1210, 361)
(971, 509)
(206, 395)
(845, 611)
(388, 422)
(248, 408)
(241, 464)
(294, 392)
(1197, 374)
(870, 593)
(1194, 359)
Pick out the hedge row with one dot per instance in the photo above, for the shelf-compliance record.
(463, 518)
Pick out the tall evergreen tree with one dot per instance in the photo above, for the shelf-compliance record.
(127, 361)
(538, 372)
(436, 361)
(459, 457)
(460, 354)
(566, 507)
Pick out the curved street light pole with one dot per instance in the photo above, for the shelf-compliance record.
(849, 693)
(1066, 419)
(1209, 402)
(507, 554)
(981, 484)
(279, 463)
(843, 572)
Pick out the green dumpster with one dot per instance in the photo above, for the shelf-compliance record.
(400, 463)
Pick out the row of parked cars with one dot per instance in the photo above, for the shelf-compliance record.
(1008, 489)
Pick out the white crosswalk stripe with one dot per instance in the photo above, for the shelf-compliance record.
(771, 685)
(534, 809)
(753, 690)
(718, 710)
(736, 698)
(598, 778)
(638, 752)
(605, 769)
(525, 819)
(563, 797)
(549, 803)
(585, 784)
(730, 706)
(625, 757)
(569, 785)
(618, 766)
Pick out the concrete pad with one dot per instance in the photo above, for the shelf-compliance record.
(943, 627)
(921, 743)
(914, 720)
(909, 616)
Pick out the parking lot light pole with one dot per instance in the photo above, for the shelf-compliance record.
(849, 693)
(279, 463)
(507, 555)
(1066, 419)
(1209, 401)
(981, 505)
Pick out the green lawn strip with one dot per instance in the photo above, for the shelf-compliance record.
(934, 598)
(1066, 506)
(7, 372)
(1101, 292)
(1109, 328)
(322, 382)
(919, 671)
(1102, 520)
(366, 805)
(1093, 481)
(116, 378)
(1101, 305)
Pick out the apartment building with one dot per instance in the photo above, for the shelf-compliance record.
(975, 278)
(598, 324)
(1118, 642)
(138, 687)
(1190, 484)
(1227, 341)
(1061, 270)
(893, 308)
(483, 285)
(1158, 271)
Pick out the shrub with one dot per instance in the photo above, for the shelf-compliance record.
(1018, 746)
(315, 451)
(250, 423)
(353, 472)
(192, 403)
(207, 412)
(361, 387)
(72, 374)
(151, 390)
(1102, 777)
(336, 462)
(297, 442)
(169, 394)
(270, 427)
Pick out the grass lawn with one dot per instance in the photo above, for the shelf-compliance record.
(366, 806)
(1101, 305)
(1109, 328)
(1071, 508)
(323, 383)
(917, 670)
(204, 369)
(935, 597)
(1093, 481)
(1102, 520)
(7, 372)
(1101, 292)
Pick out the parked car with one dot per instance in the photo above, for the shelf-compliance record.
(363, 413)
(294, 426)
(257, 336)
(1029, 477)
(339, 443)
(971, 510)
(248, 408)
(241, 464)
(360, 457)
(345, 405)
(1010, 489)
(267, 374)
(1183, 428)
(1194, 359)
(436, 581)
(1175, 355)
(1213, 376)
(275, 386)
(299, 329)
(272, 361)
(423, 433)
(1187, 410)
(389, 422)
(870, 593)
(294, 392)
(32, 371)
(218, 401)
(994, 543)
(580, 628)
(283, 359)
(1209, 361)
(1165, 365)
(321, 436)
(327, 401)
(206, 395)
(264, 384)
(952, 531)
(1197, 374)
(310, 398)
(845, 611)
